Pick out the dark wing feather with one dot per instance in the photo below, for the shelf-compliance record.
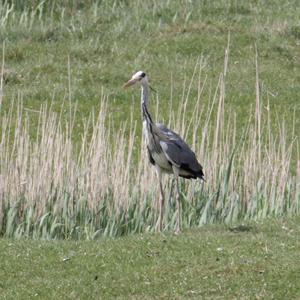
(152, 161)
(179, 153)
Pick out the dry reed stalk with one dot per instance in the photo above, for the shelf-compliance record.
(247, 177)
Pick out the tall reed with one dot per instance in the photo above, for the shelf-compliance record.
(52, 187)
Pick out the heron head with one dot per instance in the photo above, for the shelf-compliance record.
(139, 76)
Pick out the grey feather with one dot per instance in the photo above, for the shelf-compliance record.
(179, 153)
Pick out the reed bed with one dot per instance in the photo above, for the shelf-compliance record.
(54, 188)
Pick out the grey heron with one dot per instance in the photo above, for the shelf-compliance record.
(167, 151)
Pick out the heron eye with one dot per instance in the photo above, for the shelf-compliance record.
(143, 75)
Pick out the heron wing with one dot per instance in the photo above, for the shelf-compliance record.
(178, 152)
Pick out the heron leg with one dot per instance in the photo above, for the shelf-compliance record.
(161, 200)
(178, 201)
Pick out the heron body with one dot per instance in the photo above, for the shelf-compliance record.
(167, 151)
(155, 151)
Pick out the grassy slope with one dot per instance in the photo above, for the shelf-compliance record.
(106, 42)
(213, 263)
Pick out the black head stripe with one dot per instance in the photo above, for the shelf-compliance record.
(143, 75)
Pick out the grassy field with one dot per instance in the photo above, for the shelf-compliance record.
(72, 170)
(251, 261)
(78, 49)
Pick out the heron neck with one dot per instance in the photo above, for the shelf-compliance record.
(144, 102)
(145, 94)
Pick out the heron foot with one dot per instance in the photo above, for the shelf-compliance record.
(178, 228)
(161, 226)
(177, 231)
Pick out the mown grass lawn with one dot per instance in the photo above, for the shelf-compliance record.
(252, 261)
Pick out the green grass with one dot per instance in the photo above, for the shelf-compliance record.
(251, 261)
(56, 183)
(106, 41)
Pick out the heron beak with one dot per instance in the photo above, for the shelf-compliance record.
(130, 82)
